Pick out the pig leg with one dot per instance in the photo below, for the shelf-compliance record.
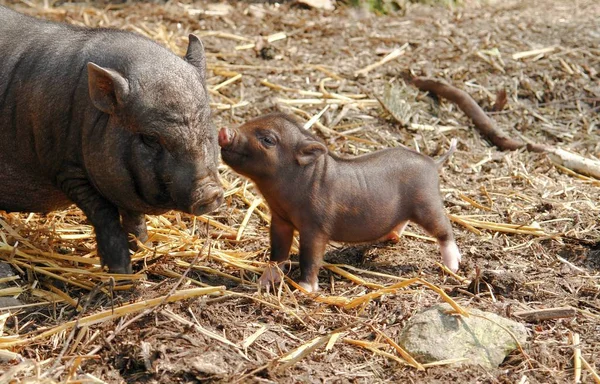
(434, 220)
(394, 236)
(282, 235)
(111, 239)
(312, 248)
(134, 223)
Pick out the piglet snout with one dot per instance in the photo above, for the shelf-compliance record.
(226, 137)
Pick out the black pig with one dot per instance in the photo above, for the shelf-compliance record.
(108, 120)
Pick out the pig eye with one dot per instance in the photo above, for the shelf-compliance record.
(267, 141)
(150, 141)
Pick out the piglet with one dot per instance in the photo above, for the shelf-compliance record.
(325, 197)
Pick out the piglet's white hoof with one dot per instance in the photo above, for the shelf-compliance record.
(451, 256)
(272, 275)
(308, 287)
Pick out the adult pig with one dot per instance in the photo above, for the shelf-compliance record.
(325, 197)
(105, 119)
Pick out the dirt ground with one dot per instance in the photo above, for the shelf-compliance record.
(544, 54)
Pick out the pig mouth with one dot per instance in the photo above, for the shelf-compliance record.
(207, 207)
(209, 198)
(230, 155)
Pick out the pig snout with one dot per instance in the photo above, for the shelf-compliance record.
(226, 137)
(196, 191)
(207, 197)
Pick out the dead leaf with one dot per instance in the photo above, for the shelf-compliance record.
(501, 100)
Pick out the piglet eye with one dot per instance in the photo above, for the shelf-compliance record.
(267, 141)
(151, 141)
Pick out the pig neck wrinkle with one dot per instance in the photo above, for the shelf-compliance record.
(313, 180)
(295, 187)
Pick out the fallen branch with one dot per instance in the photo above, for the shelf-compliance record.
(546, 314)
(465, 102)
(488, 129)
(569, 160)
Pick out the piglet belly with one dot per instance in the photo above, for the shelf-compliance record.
(362, 226)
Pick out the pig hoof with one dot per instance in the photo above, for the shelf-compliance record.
(134, 244)
(272, 275)
(121, 270)
(308, 287)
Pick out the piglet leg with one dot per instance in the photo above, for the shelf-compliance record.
(312, 248)
(394, 236)
(434, 220)
(450, 254)
(271, 276)
(282, 235)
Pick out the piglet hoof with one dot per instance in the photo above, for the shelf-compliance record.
(308, 287)
(451, 256)
(272, 275)
(393, 237)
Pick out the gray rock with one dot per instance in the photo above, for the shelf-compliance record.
(434, 335)
(6, 302)
(6, 270)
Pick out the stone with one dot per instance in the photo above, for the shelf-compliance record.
(7, 302)
(6, 270)
(437, 334)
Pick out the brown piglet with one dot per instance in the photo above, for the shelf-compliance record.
(325, 197)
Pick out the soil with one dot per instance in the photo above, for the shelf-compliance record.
(553, 99)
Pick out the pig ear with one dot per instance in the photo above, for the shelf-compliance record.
(107, 87)
(195, 55)
(309, 151)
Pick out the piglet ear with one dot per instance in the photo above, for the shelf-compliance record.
(195, 55)
(108, 89)
(309, 151)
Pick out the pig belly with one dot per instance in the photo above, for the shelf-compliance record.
(362, 234)
(26, 192)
